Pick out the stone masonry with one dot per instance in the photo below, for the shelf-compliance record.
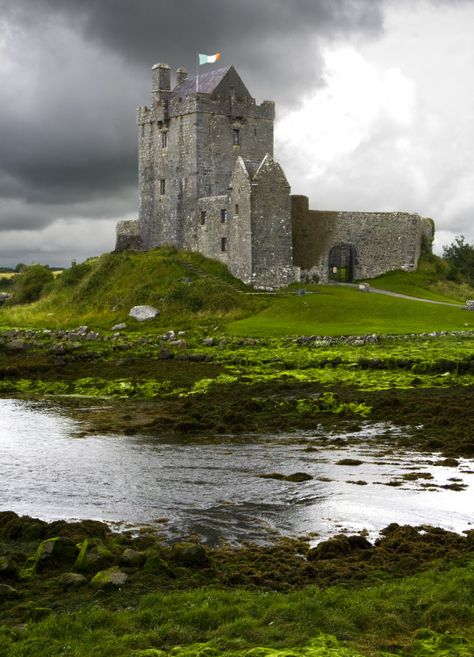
(208, 183)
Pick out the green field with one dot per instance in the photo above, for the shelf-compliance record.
(334, 310)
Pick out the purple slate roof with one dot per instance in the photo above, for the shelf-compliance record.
(207, 83)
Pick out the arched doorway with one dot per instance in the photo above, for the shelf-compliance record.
(341, 263)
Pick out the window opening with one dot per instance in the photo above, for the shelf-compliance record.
(236, 137)
(223, 216)
(223, 244)
(236, 212)
(164, 139)
(203, 217)
(162, 186)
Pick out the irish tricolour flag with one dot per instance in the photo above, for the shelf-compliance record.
(209, 59)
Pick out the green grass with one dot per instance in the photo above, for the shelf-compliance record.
(428, 282)
(100, 292)
(430, 614)
(346, 311)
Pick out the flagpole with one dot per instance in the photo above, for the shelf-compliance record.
(197, 71)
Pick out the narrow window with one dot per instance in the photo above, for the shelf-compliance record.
(236, 137)
(223, 216)
(255, 132)
(164, 139)
(162, 186)
(223, 244)
(236, 212)
(203, 217)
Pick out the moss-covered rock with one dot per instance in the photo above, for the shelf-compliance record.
(93, 556)
(51, 553)
(112, 578)
(8, 568)
(190, 554)
(132, 558)
(71, 580)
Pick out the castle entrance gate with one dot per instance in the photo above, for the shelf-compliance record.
(341, 263)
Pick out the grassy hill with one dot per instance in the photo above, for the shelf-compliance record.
(191, 290)
(100, 291)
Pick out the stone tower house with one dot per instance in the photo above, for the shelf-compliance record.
(207, 178)
(208, 183)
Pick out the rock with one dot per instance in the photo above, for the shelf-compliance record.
(132, 558)
(119, 327)
(349, 462)
(190, 554)
(7, 592)
(300, 292)
(470, 304)
(112, 578)
(17, 345)
(93, 556)
(363, 287)
(165, 354)
(142, 313)
(92, 335)
(180, 344)
(339, 546)
(208, 342)
(52, 552)
(57, 350)
(296, 477)
(71, 580)
(7, 568)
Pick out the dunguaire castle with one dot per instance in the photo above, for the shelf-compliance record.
(208, 182)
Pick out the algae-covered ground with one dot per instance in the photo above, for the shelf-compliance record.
(222, 359)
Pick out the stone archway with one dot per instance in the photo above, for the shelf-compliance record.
(341, 263)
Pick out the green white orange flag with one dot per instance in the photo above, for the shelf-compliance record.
(209, 59)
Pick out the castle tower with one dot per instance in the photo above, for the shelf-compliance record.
(189, 140)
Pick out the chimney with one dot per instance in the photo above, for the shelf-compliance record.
(161, 81)
(181, 75)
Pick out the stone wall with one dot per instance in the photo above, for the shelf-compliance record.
(380, 241)
(272, 260)
(128, 236)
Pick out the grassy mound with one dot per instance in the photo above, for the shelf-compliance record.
(101, 291)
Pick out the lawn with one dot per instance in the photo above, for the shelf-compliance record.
(335, 310)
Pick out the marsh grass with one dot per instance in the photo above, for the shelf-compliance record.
(422, 615)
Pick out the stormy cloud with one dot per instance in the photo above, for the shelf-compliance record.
(72, 74)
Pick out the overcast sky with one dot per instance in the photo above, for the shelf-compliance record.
(375, 106)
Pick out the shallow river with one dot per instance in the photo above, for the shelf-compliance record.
(211, 487)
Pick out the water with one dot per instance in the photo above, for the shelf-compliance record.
(211, 488)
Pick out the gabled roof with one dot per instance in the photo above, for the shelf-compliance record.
(207, 82)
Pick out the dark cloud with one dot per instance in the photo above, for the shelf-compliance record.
(72, 74)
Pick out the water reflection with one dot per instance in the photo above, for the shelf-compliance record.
(212, 488)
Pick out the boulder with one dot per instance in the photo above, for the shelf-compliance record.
(470, 304)
(112, 578)
(190, 554)
(93, 556)
(132, 558)
(71, 580)
(119, 327)
(8, 569)
(142, 313)
(51, 553)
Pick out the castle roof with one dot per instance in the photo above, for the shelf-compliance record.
(207, 82)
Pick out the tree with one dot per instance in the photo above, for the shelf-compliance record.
(460, 256)
(31, 283)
